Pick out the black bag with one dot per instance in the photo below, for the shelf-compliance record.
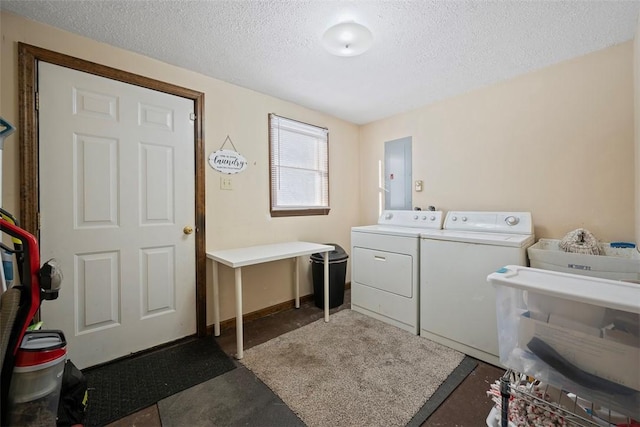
(73, 396)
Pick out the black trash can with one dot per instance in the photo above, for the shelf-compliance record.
(337, 273)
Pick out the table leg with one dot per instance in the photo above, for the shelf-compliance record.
(326, 286)
(216, 300)
(239, 344)
(296, 261)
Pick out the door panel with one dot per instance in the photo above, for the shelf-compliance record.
(98, 289)
(156, 173)
(157, 280)
(116, 189)
(95, 181)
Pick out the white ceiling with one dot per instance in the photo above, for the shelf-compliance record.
(423, 51)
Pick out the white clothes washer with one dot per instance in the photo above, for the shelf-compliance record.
(457, 305)
(385, 263)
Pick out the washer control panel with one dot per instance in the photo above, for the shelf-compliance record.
(491, 222)
(418, 219)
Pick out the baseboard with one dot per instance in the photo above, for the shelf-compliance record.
(267, 311)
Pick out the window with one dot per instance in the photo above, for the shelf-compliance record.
(299, 161)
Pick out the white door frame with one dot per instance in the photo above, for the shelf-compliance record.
(28, 57)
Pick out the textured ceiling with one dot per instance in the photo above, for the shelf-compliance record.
(423, 50)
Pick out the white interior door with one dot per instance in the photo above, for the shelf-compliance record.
(116, 190)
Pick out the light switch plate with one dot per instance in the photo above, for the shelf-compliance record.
(225, 183)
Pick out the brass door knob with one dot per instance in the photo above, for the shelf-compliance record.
(187, 230)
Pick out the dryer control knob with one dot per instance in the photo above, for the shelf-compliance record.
(415, 217)
(511, 220)
(433, 218)
(464, 219)
(388, 216)
(454, 218)
(424, 218)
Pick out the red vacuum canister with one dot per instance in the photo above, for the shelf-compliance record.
(37, 378)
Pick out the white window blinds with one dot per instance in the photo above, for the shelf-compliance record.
(299, 167)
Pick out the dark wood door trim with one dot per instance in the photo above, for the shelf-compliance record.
(28, 58)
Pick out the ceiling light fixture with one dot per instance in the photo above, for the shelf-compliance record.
(347, 39)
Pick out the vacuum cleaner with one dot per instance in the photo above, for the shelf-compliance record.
(32, 362)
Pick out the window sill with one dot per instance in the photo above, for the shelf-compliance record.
(299, 212)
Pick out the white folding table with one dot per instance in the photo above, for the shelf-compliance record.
(241, 257)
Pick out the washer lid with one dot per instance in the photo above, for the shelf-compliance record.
(496, 239)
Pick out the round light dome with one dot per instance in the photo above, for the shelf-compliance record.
(347, 39)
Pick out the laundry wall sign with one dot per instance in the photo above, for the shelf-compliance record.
(227, 161)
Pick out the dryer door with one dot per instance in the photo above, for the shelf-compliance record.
(387, 271)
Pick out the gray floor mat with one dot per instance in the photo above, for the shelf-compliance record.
(236, 398)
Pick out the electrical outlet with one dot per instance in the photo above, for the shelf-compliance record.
(225, 183)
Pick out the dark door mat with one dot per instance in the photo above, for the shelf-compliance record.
(125, 386)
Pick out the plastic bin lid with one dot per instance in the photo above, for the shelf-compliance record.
(591, 290)
(338, 254)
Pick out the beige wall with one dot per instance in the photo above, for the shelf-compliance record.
(636, 117)
(557, 142)
(234, 218)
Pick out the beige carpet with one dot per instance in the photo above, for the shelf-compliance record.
(352, 371)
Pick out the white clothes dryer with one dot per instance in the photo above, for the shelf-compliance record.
(457, 305)
(385, 263)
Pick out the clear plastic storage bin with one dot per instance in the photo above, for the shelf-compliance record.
(576, 333)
